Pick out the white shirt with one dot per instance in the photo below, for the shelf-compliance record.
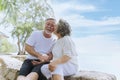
(40, 43)
(65, 46)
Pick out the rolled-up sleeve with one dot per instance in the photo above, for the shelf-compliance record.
(31, 40)
(67, 49)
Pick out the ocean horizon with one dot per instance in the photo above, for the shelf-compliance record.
(106, 64)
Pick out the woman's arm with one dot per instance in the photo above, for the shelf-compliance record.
(61, 60)
(53, 64)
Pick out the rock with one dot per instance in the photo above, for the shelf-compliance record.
(19, 57)
(10, 66)
(2, 78)
(91, 75)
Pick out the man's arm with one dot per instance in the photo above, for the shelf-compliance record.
(32, 52)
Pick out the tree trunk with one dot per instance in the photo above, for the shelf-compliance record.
(19, 48)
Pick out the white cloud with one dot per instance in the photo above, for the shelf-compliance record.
(94, 26)
(84, 8)
(61, 8)
(79, 20)
(104, 22)
(98, 45)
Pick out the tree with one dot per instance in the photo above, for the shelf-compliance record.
(6, 46)
(22, 32)
(24, 16)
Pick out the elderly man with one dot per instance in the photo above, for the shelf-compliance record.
(39, 46)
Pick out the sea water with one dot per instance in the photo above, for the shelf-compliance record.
(107, 64)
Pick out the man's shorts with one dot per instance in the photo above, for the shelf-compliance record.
(28, 67)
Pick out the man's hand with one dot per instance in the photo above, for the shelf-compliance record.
(50, 56)
(36, 62)
(43, 58)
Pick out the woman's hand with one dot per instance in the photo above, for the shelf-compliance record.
(52, 66)
(62, 60)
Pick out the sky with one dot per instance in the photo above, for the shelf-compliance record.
(95, 24)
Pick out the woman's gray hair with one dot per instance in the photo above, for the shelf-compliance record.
(63, 28)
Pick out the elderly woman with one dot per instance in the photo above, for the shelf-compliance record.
(65, 61)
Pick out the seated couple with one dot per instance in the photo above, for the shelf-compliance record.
(50, 58)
